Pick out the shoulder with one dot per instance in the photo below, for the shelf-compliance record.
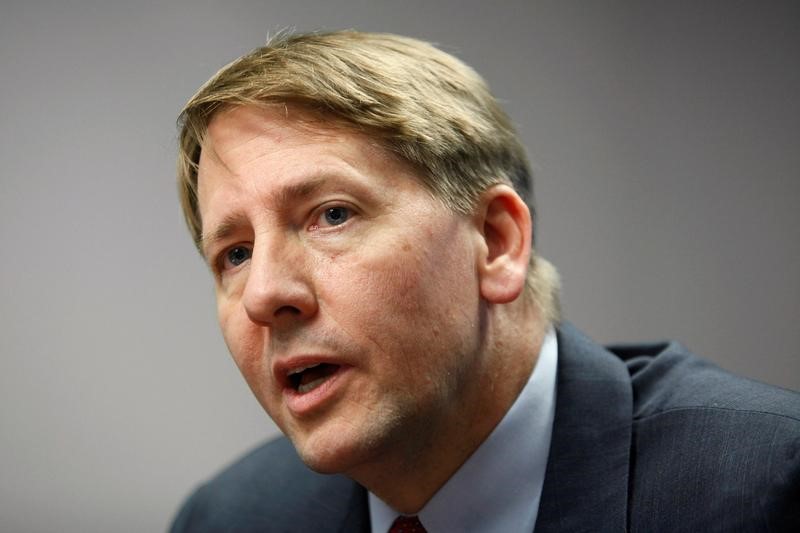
(268, 489)
(724, 449)
(667, 377)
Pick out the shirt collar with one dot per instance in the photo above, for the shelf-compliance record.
(498, 488)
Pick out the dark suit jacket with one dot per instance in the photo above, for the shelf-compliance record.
(646, 438)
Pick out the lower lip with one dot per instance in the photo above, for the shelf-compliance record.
(304, 404)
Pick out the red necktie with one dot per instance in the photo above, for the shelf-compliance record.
(407, 524)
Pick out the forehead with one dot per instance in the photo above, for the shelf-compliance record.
(240, 135)
(277, 142)
(273, 153)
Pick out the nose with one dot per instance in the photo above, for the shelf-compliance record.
(279, 290)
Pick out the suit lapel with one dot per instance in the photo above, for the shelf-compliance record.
(586, 481)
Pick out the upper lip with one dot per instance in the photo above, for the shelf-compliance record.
(284, 367)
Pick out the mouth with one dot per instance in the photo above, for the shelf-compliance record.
(311, 383)
(307, 378)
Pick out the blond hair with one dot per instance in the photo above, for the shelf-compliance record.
(420, 103)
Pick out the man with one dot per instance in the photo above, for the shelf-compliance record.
(360, 200)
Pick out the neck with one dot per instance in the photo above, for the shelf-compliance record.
(406, 479)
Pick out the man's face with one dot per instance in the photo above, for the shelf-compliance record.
(347, 295)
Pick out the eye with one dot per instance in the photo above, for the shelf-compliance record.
(335, 216)
(236, 256)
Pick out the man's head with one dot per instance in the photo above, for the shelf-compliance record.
(423, 105)
(353, 196)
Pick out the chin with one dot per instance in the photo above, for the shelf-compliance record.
(339, 451)
(329, 455)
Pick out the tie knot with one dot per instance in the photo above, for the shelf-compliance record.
(407, 524)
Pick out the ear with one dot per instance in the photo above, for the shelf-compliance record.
(504, 223)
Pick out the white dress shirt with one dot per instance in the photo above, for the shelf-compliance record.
(498, 488)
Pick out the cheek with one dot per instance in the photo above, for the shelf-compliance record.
(378, 282)
(404, 294)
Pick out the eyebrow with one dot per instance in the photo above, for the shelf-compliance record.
(222, 231)
(285, 196)
(298, 191)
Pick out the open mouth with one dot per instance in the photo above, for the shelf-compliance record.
(306, 379)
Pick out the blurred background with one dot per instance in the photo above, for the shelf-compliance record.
(665, 138)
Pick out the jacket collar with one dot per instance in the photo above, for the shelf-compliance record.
(586, 481)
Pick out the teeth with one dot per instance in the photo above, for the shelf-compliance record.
(301, 369)
(302, 389)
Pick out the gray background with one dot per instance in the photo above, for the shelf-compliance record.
(665, 136)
